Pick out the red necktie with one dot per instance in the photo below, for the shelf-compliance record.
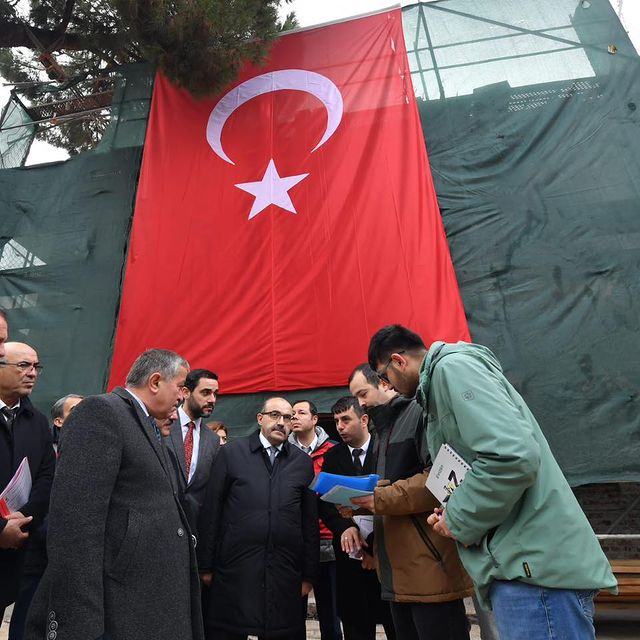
(188, 446)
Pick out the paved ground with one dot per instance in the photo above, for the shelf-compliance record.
(610, 625)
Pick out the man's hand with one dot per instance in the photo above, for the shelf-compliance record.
(439, 524)
(345, 512)
(206, 578)
(368, 562)
(12, 536)
(351, 541)
(306, 588)
(365, 502)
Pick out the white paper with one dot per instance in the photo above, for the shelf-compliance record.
(365, 524)
(16, 493)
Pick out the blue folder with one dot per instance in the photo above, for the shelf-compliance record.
(326, 481)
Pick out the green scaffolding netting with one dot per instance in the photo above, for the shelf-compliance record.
(530, 118)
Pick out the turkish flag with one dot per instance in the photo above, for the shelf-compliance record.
(279, 225)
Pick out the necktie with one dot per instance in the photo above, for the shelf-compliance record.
(155, 429)
(9, 415)
(356, 453)
(188, 446)
(272, 452)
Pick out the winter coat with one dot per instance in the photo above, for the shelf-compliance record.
(30, 438)
(414, 563)
(259, 537)
(122, 562)
(514, 514)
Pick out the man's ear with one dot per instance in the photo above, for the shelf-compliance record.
(154, 382)
(400, 361)
(365, 420)
(314, 419)
(57, 422)
(185, 392)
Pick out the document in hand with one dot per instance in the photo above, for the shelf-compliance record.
(342, 495)
(324, 482)
(446, 474)
(16, 493)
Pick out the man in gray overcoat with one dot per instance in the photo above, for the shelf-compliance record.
(121, 554)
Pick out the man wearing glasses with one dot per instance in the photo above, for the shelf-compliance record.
(24, 433)
(520, 532)
(259, 543)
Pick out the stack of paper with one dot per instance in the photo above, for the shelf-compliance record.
(339, 489)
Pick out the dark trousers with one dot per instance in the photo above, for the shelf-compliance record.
(430, 620)
(324, 590)
(363, 629)
(28, 586)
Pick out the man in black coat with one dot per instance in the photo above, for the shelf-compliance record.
(259, 542)
(359, 604)
(192, 443)
(24, 432)
(121, 556)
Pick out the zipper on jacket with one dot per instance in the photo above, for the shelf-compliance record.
(428, 543)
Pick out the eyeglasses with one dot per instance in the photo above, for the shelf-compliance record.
(24, 366)
(383, 374)
(276, 415)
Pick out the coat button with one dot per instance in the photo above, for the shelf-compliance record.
(53, 625)
(52, 615)
(52, 635)
(180, 532)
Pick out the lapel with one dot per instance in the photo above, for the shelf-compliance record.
(145, 425)
(205, 443)
(175, 438)
(370, 459)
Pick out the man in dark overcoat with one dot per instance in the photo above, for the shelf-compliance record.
(24, 433)
(259, 541)
(121, 554)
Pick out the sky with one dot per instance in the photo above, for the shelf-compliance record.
(312, 12)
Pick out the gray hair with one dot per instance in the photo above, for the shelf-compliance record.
(166, 363)
(57, 410)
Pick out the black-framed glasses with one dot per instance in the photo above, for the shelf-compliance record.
(276, 415)
(383, 374)
(24, 366)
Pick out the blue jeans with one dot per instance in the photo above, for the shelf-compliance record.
(527, 612)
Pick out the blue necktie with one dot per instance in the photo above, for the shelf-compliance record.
(155, 429)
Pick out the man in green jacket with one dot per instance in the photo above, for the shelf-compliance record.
(521, 534)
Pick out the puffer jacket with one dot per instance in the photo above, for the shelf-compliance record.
(414, 563)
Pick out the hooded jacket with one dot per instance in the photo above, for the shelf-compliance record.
(514, 515)
(317, 457)
(414, 563)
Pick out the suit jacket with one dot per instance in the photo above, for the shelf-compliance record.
(30, 438)
(193, 491)
(358, 589)
(121, 559)
(260, 539)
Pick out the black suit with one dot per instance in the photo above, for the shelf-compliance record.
(121, 558)
(194, 490)
(30, 438)
(358, 592)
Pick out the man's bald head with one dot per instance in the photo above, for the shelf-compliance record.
(19, 369)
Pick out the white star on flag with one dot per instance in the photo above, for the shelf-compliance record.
(272, 189)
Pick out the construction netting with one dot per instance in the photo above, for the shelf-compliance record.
(529, 112)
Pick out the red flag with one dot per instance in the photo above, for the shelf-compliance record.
(281, 224)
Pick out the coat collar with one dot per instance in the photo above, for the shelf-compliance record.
(255, 446)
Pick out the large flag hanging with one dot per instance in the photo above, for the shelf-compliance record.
(281, 224)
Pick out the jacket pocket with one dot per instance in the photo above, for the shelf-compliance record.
(424, 536)
(119, 567)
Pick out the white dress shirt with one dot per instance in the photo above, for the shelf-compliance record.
(364, 448)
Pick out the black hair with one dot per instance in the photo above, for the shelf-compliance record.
(313, 410)
(345, 403)
(194, 377)
(392, 339)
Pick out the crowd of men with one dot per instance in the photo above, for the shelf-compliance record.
(146, 527)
